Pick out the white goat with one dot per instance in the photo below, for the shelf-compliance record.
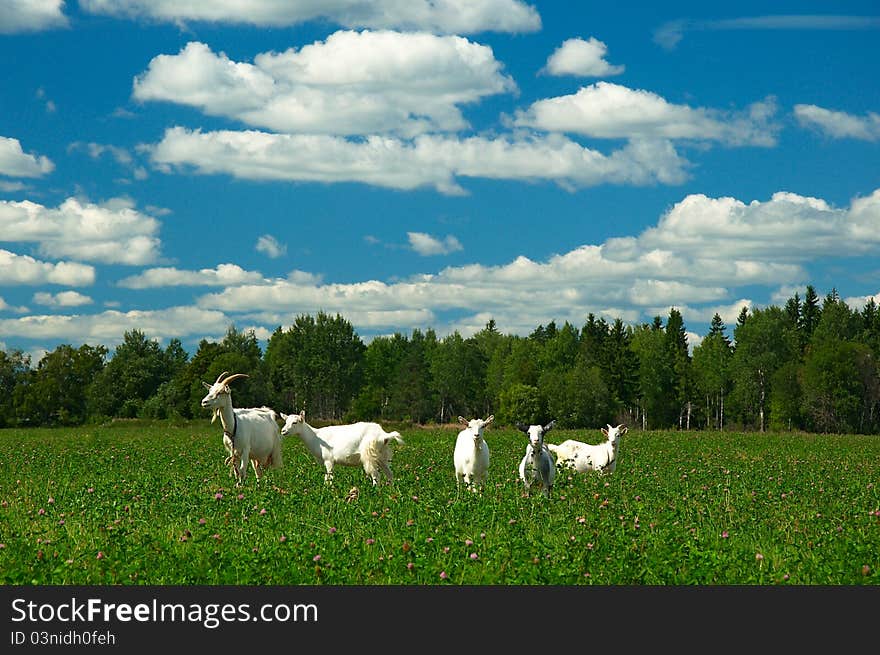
(249, 434)
(357, 444)
(582, 457)
(471, 454)
(537, 467)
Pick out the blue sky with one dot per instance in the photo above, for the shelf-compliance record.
(181, 167)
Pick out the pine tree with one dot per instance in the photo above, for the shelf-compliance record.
(810, 313)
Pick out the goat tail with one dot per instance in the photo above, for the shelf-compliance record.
(374, 451)
(376, 448)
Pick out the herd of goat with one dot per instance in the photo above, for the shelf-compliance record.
(252, 435)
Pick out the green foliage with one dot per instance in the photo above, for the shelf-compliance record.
(458, 373)
(641, 375)
(521, 403)
(410, 398)
(711, 371)
(132, 376)
(14, 370)
(55, 393)
(317, 365)
(786, 397)
(836, 375)
(655, 373)
(761, 348)
(575, 398)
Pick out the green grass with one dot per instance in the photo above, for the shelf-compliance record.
(139, 503)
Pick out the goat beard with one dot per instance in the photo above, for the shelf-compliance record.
(215, 414)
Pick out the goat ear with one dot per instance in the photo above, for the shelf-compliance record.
(550, 425)
(302, 415)
(605, 431)
(207, 386)
(462, 420)
(622, 428)
(283, 416)
(522, 427)
(489, 420)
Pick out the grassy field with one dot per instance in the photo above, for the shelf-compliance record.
(136, 503)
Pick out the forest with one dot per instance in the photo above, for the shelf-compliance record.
(810, 365)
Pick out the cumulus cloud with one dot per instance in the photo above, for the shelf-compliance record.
(426, 161)
(449, 16)
(670, 34)
(353, 83)
(582, 58)
(6, 307)
(756, 231)
(14, 162)
(728, 312)
(109, 327)
(18, 269)
(31, 15)
(699, 257)
(857, 303)
(110, 233)
(62, 299)
(223, 275)
(611, 111)
(426, 245)
(271, 247)
(696, 258)
(839, 124)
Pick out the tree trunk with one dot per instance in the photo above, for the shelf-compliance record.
(761, 400)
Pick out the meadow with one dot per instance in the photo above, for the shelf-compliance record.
(137, 503)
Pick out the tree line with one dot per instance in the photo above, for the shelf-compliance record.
(810, 365)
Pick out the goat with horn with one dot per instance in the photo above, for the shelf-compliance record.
(249, 434)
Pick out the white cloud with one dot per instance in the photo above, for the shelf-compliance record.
(224, 275)
(427, 161)
(9, 187)
(14, 162)
(694, 259)
(62, 299)
(111, 233)
(31, 15)
(6, 307)
(450, 16)
(353, 83)
(765, 231)
(582, 58)
(728, 312)
(699, 257)
(18, 269)
(857, 303)
(839, 124)
(671, 33)
(97, 150)
(426, 245)
(109, 327)
(271, 247)
(369, 319)
(611, 111)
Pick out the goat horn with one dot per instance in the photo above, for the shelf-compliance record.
(234, 376)
(219, 377)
